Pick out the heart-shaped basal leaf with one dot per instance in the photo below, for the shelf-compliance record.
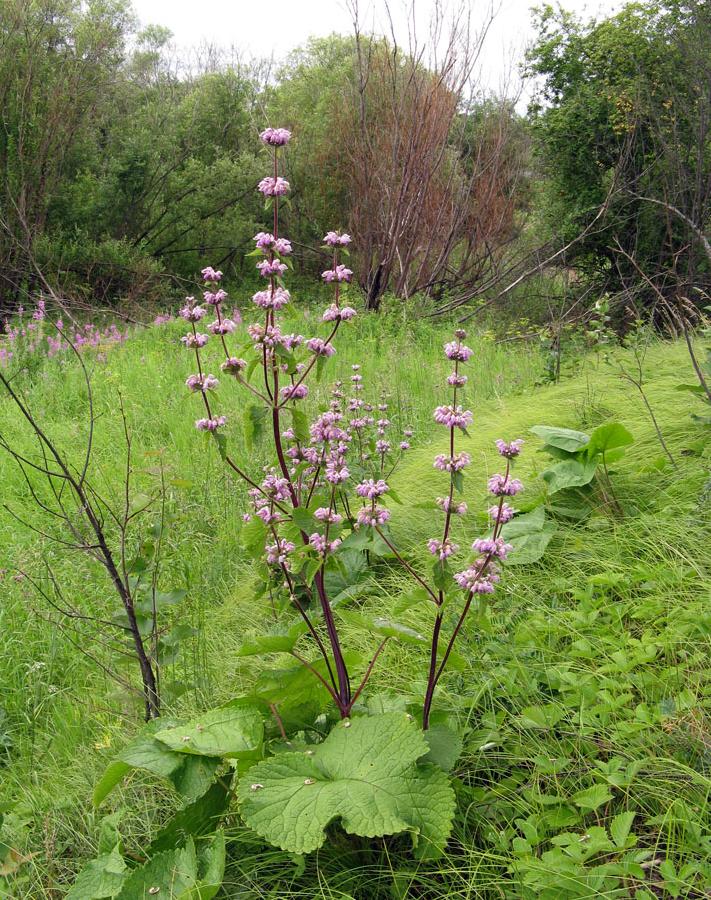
(366, 774)
(235, 730)
(569, 473)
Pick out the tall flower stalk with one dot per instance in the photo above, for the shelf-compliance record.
(299, 504)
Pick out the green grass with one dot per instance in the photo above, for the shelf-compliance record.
(587, 680)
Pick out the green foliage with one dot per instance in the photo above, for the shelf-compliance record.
(582, 458)
(530, 535)
(365, 774)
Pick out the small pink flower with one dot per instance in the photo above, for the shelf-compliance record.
(371, 489)
(335, 313)
(275, 137)
(211, 424)
(202, 382)
(190, 312)
(325, 514)
(501, 486)
(273, 187)
(320, 347)
(322, 545)
(458, 509)
(191, 341)
(452, 463)
(294, 392)
(210, 274)
(456, 380)
(455, 350)
(233, 365)
(510, 450)
(503, 515)
(225, 326)
(268, 268)
(277, 553)
(340, 273)
(373, 516)
(336, 239)
(442, 550)
(492, 547)
(453, 417)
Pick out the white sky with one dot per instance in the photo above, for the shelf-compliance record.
(274, 27)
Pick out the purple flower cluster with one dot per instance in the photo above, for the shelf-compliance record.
(273, 187)
(338, 273)
(275, 137)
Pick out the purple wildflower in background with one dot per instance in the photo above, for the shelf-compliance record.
(334, 313)
(294, 392)
(190, 312)
(278, 553)
(474, 581)
(452, 463)
(210, 274)
(222, 326)
(447, 505)
(322, 545)
(325, 514)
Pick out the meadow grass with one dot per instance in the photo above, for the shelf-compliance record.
(583, 692)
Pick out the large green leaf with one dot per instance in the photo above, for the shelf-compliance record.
(561, 438)
(365, 774)
(234, 730)
(530, 535)
(191, 777)
(611, 436)
(100, 878)
(170, 874)
(569, 473)
(196, 819)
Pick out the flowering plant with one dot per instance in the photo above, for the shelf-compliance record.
(303, 519)
(378, 774)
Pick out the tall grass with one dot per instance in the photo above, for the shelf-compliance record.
(608, 634)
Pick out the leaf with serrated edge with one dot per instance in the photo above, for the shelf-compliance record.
(364, 774)
(173, 873)
(100, 878)
(232, 730)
